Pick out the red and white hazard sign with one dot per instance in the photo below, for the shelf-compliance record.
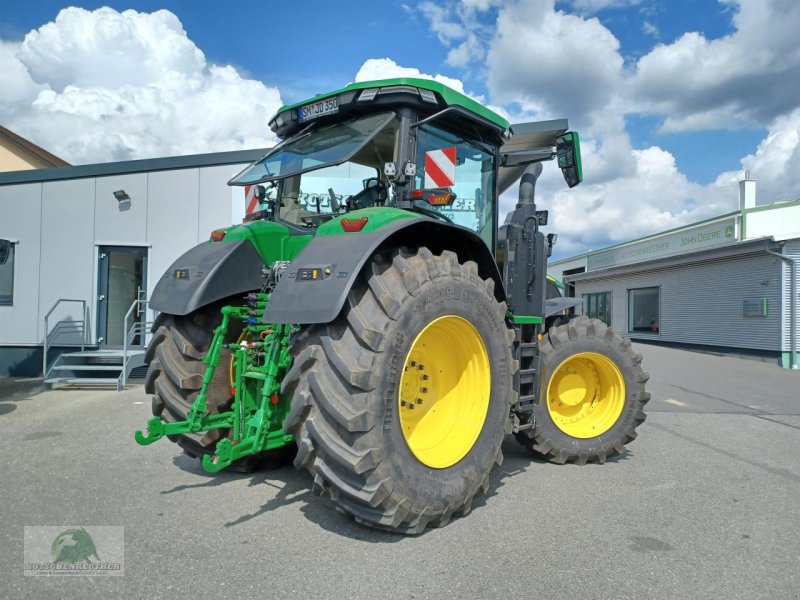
(440, 168)
(250, 199)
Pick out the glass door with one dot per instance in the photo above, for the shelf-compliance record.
(122, 277)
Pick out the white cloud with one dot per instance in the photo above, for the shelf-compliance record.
(653, 197)
(650, 29)
(776, 162)
(749, 77)
(443, 25)
(555, 63)
(545, 63)
(386, 68)
(101, 85)
(594, 6)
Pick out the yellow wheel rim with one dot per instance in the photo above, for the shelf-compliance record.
(444, 392)
(585, 395)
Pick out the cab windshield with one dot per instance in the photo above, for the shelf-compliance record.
(322, 146)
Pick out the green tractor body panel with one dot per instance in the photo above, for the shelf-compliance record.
(373, 219)
(272, 240)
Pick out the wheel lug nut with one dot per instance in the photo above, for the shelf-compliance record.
(421, 367)
(419, 400)
(425, 377)
(411, 406)
(413, 363)
(403, 403)
(423, 390)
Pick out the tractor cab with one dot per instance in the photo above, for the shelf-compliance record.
(406, 143)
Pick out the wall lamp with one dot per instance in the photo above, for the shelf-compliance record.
(123, 199)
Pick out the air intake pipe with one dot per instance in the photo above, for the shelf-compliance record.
(526, 259)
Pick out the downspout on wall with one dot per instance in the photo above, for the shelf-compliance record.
(792, 304)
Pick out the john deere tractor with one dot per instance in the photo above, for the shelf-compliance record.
(374, 314)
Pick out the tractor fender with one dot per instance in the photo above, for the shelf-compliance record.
(315, 285)
(207, 273)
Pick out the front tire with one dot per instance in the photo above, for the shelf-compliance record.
(591, 397)
(399, 406)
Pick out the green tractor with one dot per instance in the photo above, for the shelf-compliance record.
(374, 314)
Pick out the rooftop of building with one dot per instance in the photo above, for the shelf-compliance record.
(16, 140)
(190, 161)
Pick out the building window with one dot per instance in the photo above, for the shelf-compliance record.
(644, 315)
(598, 306)
(6, 273)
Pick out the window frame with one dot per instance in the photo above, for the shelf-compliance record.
(9, 300)
(587, 297)
(453, 136)
(630, 313)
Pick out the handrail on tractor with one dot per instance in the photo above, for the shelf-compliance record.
(78, 327)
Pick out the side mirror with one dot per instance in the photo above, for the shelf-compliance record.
(261, 193)
(568, 154)
(551, 241)
(5, 251)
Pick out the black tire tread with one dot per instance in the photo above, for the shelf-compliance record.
(552, 448)
(175, 374)
(332, 377)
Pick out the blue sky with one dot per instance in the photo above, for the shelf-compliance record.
(674, 98)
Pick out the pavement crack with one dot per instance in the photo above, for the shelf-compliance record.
(764, 417)
(710, 397)
(785, 473)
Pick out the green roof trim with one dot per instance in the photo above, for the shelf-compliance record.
(648, 237)
(449, 95)
(772, 206)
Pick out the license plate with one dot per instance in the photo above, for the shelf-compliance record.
(328, 106)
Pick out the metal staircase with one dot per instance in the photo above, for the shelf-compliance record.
(93, 367)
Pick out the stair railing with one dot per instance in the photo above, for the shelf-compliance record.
(63, 328)
(138, 328)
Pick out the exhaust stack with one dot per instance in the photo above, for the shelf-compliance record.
(526, 261)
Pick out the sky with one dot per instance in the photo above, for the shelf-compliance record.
(674, 99)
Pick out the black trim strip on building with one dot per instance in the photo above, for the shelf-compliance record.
(133, 166)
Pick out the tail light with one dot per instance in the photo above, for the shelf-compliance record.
(217, 235)
(353, 225)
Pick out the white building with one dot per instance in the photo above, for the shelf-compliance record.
(85, 242)
(730, 282)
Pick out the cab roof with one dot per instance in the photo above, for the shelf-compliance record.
(438, 97)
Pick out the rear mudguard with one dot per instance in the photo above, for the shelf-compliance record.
(316, 283)
(207, 273)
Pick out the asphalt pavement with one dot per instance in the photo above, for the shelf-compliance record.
(704, 504)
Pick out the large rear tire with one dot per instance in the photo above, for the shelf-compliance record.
(175, 373)
(592, 394)
(399, 406)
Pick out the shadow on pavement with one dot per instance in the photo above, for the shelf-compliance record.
(297, 487)
(14, 390)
